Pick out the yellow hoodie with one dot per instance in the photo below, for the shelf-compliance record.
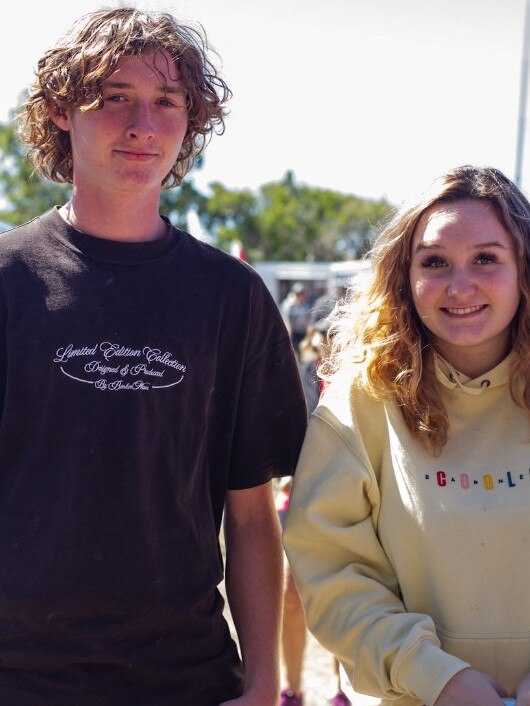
(412, 567)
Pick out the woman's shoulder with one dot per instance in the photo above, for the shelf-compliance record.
(347, 403)
(355, 415)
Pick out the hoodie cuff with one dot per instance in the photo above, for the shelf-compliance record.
(426, 671)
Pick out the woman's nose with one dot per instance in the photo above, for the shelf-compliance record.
(461, 283)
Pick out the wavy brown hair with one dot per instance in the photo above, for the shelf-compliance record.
(378, 333)
(71, 74)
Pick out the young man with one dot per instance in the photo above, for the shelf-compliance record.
(146, 383)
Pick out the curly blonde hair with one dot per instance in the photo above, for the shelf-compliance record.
(378, 332)
(71, 74)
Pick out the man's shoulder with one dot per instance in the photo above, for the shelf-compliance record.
(19, 238)
(221, 264)
(212, 253)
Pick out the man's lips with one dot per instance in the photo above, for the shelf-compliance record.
(136, 156)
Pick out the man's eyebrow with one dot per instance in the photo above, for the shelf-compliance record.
(163, 88)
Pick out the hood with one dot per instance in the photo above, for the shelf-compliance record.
(451, 378)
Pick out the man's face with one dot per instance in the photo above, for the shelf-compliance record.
(132, 142)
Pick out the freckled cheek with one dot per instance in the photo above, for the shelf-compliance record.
(504, 286)
(177, 131)
(509, 291)
(424, 292)
(502, 281)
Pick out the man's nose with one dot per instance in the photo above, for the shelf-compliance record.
(141, 125)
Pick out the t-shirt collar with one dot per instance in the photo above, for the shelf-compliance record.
(103, 249)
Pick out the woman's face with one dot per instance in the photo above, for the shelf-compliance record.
(464, 282)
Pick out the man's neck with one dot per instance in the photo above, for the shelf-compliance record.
(128, 219)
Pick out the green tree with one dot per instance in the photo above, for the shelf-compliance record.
(289, 221)
(301, 222)
(176, 203)
(232, 215)
(23, 191)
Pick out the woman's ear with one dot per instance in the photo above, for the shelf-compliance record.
(59, 116)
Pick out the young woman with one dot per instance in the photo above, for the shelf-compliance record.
(409, 523)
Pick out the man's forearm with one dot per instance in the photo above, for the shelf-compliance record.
(254, 581)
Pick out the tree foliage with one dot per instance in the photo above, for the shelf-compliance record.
(289, 221)
(283, 220)
(23, 191)
(176, 203)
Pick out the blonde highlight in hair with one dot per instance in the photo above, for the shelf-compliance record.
(71, 74)
(377, 332)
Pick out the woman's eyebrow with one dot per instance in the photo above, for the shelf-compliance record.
(490, 244)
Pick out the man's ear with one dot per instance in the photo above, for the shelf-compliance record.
(59, 116)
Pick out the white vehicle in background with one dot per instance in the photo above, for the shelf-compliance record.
(343, 275)
(317, 277)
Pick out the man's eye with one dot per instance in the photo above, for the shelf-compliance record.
(173, 102)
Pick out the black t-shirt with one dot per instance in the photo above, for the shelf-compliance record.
(138, 382)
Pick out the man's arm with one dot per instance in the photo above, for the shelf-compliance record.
(254, 576)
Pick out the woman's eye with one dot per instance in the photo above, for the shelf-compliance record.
(433, 261)
(486, 258)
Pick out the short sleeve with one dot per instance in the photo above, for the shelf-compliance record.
(271, 416)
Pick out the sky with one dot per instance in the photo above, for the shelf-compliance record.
(367, 97)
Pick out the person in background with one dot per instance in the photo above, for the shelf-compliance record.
(326, 303)
(294, 630)
(407, 531)
(296, 311)
(147, 386)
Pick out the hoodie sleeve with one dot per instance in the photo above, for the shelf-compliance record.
(345, 579)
